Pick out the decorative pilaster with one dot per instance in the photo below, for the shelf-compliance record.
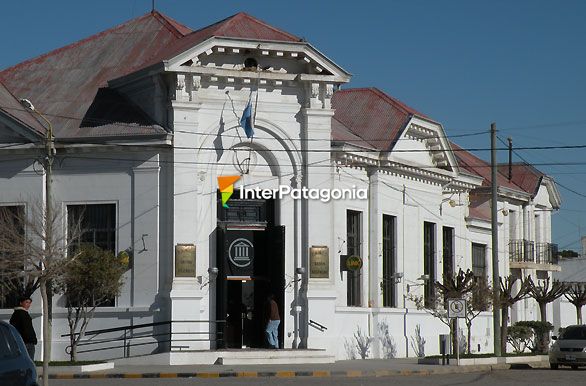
(329, 92)
(181, 93)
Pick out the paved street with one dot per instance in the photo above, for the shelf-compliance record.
(533, 377)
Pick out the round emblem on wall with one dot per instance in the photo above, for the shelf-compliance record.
(241, 252)
(354, 263)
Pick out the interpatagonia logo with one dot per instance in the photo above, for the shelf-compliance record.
(226, 185)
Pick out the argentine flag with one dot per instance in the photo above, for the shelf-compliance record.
(246, 120)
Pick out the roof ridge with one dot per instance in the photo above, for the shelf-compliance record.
(256, 20)
(219, 22)
(406, 109)
(73, 45)
(272, 27)
(169, 23)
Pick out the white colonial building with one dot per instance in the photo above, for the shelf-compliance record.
(146, 117)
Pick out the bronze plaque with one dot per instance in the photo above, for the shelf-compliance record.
(319, 262)
(185, 260)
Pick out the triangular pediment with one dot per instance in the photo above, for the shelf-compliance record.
(548, 192)
(228, 56)
(228, 43)
(423, 144)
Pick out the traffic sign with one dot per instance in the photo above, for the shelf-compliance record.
(456, 308)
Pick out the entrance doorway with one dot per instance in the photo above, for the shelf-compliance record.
(250, 258)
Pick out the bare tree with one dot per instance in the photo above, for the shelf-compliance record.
(545, 292)
(576, 294)
(38, 254)
(509, 295)
(453, 287)
(457, 287)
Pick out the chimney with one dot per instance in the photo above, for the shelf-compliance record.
(583, 252)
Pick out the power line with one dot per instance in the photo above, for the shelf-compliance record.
(134, 125)
(567, 123)
(555, 182)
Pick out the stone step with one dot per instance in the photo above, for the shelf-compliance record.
(231, 357)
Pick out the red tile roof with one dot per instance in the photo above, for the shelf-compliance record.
(372, 115)
(479, 167)
(240, 25)
(479, 209)
(343, 134)
(525, 176)
(64, 83)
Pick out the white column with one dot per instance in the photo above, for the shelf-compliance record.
(526, 229)
(375, 274)
(145, 202)
(375, 240)
(317, 215)
(547, 226)
(189, 227)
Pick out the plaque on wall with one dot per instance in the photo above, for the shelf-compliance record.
(185, 260)
(319, 262)
(353, 263)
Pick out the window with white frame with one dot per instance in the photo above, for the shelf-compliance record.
(389, 261)
(97, 222)
(479, 260)
(448, 251)
(11, 287)
(354, 247)
(98, 227)
(429, 260)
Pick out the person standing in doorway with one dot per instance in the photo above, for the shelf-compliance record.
(272, 329)
(22, 321)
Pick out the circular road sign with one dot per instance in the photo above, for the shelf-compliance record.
(456, 308)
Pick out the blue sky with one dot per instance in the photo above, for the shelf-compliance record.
(521, 64)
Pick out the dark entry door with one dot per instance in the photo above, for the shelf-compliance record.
(241, 314)
(242, 292)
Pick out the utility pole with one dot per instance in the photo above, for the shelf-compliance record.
(496, 320)
(510, 140)
(46, 293)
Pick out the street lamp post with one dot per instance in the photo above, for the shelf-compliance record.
(48, 222)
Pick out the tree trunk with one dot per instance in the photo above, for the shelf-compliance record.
(504, 327)
(544, 338)
(579, 314)
(469, 337)
(454, 337)
(46, 332)
(543, 311)
(74, 352)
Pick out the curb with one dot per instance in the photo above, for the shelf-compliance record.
(288, 374)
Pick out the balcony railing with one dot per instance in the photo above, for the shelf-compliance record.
(525, 251)
(547, 253)
(522, 251)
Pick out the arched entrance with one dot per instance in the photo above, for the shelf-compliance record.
(250, 256)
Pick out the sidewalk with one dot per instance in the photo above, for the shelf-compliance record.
(348, 368)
